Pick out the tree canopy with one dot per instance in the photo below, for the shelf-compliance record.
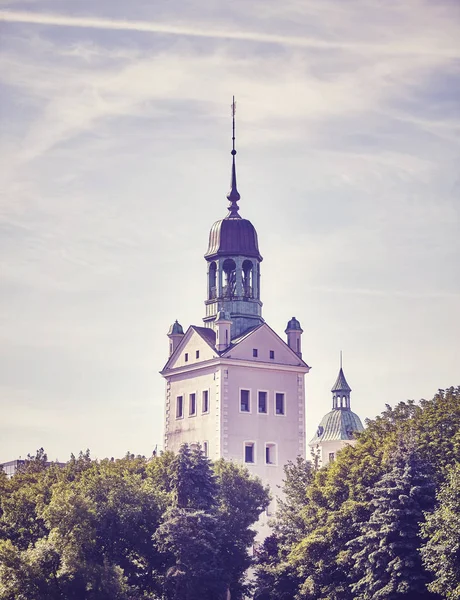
(381, 521)
(353, 529)
(170, 527)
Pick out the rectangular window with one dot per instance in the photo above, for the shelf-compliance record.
(255, 352)
(205, 401)
(331, 456)
(205, 449)
(279, 404)
(270, 454)
(244, 401)
(192, 405)
(179, 407)
(249, 452)
(272, 354)
(186, 357)
(262, 402)
(197, 354)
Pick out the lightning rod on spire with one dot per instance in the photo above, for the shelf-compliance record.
(233, 106)
(233, 194)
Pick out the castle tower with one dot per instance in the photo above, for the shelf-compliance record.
(234, 386)
(339, 426)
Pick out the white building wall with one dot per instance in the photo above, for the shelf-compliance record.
(200, 427)
(286, 432)
(325, 449)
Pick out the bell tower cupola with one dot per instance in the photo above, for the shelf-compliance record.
(233, 264)
(339, 426)
(341, 390)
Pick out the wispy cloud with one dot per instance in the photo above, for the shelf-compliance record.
(195, 30)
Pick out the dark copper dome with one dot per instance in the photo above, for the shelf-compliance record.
(233, 237)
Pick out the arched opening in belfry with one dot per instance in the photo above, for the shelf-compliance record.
(248, 278)
(229, 268)
(212, 281)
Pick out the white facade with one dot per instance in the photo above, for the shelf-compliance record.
(327, 451)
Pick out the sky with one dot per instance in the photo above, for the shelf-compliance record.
(115, 161)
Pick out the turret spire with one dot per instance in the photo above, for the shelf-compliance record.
(341, 390)
(233, 194)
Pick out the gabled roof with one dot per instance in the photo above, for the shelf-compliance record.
(341, 384)
(208, 334)
(239, 342)
(242, 337)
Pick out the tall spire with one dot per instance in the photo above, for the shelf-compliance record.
(233, 195)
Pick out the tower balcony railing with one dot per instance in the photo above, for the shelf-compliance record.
(229, 291)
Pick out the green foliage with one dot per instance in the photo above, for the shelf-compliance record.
(35, 464)
(192, 481)
(206, 533)
(441, 551)
(127, 529)
(192, 538)
(309, 555)
(277, 577)
(386, 561)
(240, 501)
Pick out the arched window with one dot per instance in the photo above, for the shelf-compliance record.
(212, 281)
(248, 276)
(229, 268)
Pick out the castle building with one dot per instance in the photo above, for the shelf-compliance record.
(339, 426)
(233, 385)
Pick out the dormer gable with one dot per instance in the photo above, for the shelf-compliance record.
(197, 345)
(262, 344)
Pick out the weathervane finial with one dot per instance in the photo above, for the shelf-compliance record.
(340, 358)
(233, 194)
